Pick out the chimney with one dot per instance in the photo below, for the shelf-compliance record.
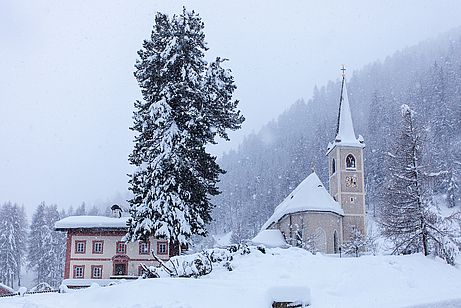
(116, 211)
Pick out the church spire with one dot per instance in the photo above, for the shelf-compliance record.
(344, 127)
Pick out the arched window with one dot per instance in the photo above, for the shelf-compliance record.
(350, 162)
(335, 242)
(320, 240)
(333, 166)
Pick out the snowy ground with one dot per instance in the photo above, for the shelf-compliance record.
(369, 281)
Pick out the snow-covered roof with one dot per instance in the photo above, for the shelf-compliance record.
(310, 195)
(345, 131)
(91, 222)
(6, 288)
(270, 238)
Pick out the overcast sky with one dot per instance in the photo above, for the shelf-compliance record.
(67, 88)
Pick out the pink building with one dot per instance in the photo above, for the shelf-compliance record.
(95, 251)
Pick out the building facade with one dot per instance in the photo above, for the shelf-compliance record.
(324, 219)
(95, 251)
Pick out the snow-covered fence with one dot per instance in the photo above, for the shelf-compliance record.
(30, 292)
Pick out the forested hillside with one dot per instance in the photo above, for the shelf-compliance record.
(269, 164)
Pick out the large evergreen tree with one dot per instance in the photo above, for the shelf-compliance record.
(186, 104)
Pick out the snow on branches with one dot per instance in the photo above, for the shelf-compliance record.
(186, 103)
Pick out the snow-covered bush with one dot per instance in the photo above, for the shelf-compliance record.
(198, 264)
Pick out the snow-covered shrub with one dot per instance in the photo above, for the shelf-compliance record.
(198, 264)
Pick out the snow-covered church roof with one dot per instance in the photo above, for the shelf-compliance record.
(309, 195)
(91, 222)
(345, 134)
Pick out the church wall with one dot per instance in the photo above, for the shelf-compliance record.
(350, 222)
(312, 224)
(352, 204)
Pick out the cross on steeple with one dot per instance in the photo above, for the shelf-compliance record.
(344, 71)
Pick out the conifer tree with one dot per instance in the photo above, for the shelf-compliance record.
(20, 237)
(55, 253)
(408, 216)
(186, 104)
(39, 243)
(8, 245)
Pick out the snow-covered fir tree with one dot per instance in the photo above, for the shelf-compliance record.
(20, 233)
(57, 250)
(12, 242)
(39, 242)
(408, 216)
(46, 249)
(186, 103)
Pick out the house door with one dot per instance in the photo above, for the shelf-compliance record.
(120, 269)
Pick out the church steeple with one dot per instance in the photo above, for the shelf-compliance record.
(347, 177)
(345, 127)
(345, 133)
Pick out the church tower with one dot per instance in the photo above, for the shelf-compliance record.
(346, 174)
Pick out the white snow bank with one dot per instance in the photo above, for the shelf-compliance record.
(309, 195)
(270, 238)
(88, 222)
(223, 240)
(368, 281)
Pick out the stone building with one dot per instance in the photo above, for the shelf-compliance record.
(311, 216)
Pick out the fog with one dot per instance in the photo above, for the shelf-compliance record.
(67, 87)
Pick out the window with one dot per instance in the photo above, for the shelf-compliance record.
(79, 270)
(80, 246)
(352, 199)
(121, 248)
(98, 247)
(162, 248)
(96, 271)
(350, 162)
(144, 248)
(333, 166)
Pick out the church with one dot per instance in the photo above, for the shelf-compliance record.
(311, 216)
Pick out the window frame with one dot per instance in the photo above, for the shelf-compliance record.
(77, 242)
(160, 244)
(93, 267)
(141, 244)
(74, 272)
(117, 245)
(102, 247)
